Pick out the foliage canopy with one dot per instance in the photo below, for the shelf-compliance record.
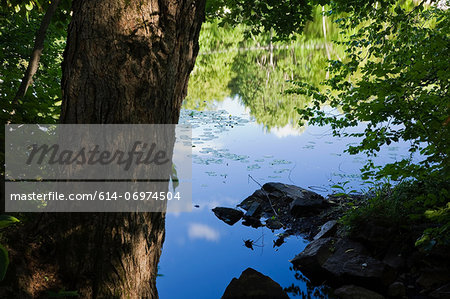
(19, 21)
(395, 79)
(284, 17)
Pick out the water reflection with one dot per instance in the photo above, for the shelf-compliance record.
(259, 84)
(201, 253)
(243, 124)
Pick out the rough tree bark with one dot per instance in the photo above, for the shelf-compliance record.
(125, 62)
(129, 61)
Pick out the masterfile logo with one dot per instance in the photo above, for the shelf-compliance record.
(96, 156)
(67, 168)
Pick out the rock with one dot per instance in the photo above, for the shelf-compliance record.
(228, 215)
(327, 230)
(442, 292)
(414, 259)
(397, 289)
(253, 284)
(260, 197)
(287, 192)
(432, 278)
(395, 260)
(305, 206)
(273, 224)
(311, 259)
(305, 202)
(355, 292)
(254, 210)
(350, 262)
(301, 201)
(343, 261)
(375, 234)
(252, 221)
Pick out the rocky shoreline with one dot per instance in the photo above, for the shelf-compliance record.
(377, 261)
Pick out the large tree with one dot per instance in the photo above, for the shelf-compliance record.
(125, 62)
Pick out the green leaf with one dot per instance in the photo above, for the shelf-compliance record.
(340, 194)
(337, 187)
(6, 220)
(29, 6)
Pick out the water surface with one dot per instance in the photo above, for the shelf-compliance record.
(245, 134)
(202, 254)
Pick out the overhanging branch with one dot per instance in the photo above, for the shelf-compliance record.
(33, 63)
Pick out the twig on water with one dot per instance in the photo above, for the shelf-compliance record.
(265, 193)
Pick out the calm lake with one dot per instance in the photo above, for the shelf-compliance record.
(245, 130)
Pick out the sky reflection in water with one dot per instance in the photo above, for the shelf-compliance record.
(201, 254)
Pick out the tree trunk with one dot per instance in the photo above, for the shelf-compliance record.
(125, 62)
(129, 61)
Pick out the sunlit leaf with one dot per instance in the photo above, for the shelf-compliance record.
(6, 220)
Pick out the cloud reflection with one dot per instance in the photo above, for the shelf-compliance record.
(202, 231)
